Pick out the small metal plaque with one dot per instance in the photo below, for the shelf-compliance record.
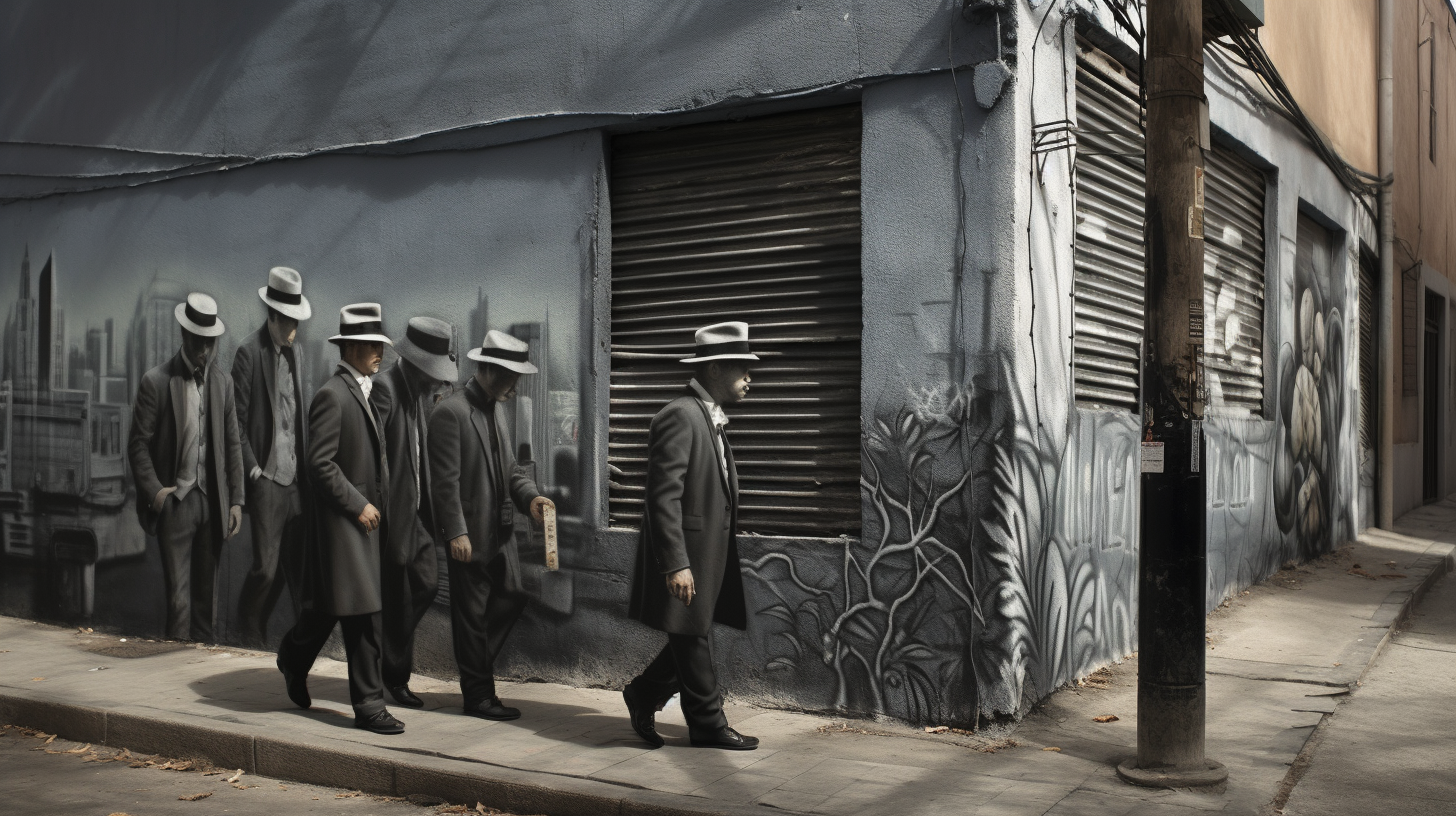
(1152, 458)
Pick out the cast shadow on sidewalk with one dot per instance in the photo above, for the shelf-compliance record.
(260, 690)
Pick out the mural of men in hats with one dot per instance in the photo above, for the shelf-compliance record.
(687, 574)
(269, 397)
(404, 397)
(349, 472)
(188, 465)
(477, 490)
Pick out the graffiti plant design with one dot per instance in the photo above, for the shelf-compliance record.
(893, 625)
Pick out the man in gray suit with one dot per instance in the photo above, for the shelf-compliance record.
(404, 397)
(477, 490)
(270, 402)
(185, 456)
(687, 575)
(349, 472)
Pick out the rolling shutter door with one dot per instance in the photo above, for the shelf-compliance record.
(1233, 282)
(756, 221)
(1367, 354)
(1108, 254)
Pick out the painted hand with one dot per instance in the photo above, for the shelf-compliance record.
(538, 507)
(680, 585)
(161, 498)
(235, 520)
(369, 519)
(460, 548)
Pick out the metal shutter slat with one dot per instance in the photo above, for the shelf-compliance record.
(757, 221)
(1108, 254)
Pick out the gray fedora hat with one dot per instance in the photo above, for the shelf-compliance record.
(505, 351)
(198, 314)
(363, 323)
(284, 293)
(426, 344)
(721, 341)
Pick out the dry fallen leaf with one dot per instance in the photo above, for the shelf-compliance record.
(194, 797)
(1052, 748)
(36, 679)
(1105, 718)
(235, 777)
(937, 729)
(83, 749)
(49, 740)
(479, 808)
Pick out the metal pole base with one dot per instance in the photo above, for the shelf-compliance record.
(1167, 777)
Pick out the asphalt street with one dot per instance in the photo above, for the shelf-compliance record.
(40, 776)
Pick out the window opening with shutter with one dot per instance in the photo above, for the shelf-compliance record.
(1233, 282)
(1108, 252)
(756, 221)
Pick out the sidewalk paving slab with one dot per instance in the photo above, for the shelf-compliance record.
(1279, 656)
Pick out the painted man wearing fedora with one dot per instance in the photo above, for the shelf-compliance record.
(349, 472)
(270, 401)
(404, 397)
(478, 490)
(187, 462)
(687, 575)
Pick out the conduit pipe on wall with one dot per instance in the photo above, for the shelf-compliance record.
(1386, 450)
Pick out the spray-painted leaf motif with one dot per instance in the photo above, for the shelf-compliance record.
(779, 611)
(794, 642)
(781, 664)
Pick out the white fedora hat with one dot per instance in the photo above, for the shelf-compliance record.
(198, 314)
(721, 341)
(426, 344)
(361, 323)
(505, 351)
(284, 293)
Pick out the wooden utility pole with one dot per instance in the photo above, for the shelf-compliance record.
(1172, 568)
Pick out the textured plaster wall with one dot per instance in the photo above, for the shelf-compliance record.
(185, 83)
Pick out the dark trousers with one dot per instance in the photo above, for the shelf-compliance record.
(685, 666)
(482, 611)
(276, 513)
(300, 647)
(189, 546)
(407, 589)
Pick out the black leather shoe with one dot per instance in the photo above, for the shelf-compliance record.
(644, 718)
(380, 722)
(493, 709)
(405, 697)
(727, 739)
(297, 686)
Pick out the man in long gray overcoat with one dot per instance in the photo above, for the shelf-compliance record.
(478, 490)
(687, 575)
(270, 399)
(404, 397)
(186, 459)
(349, 472)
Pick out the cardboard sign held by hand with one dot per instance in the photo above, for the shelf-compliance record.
(548, 524)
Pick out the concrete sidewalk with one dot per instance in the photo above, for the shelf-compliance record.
(1279, 657)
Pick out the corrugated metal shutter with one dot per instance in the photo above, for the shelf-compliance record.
(1233, 282)
(756, 221)
(1108, 254)
(1367, 354)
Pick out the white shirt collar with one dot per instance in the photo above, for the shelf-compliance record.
(714, 410)
(366, 384)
